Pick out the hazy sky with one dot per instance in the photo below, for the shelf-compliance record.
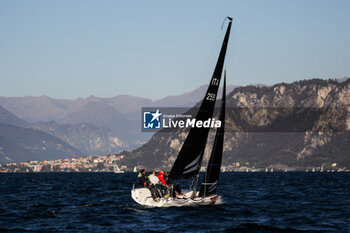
(69, 49)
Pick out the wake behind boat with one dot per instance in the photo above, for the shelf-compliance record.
(189, 160)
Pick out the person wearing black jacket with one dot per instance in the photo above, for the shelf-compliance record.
(175, 188)
(166, 178)
(142, 178)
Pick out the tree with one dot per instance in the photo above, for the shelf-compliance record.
(100, 166)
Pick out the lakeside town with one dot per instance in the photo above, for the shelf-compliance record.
(102, 163)
(111, 163)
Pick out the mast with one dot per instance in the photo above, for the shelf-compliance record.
(187, 164)
(209, 185)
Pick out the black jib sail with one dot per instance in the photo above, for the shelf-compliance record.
(188, 162)
(211, 178)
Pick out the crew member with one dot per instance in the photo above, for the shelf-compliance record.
(142, 178)
(161, 178)
(175, 190)
(155, 180)
(147, 184)
(165, 186)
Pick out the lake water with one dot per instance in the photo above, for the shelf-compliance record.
(101, 202)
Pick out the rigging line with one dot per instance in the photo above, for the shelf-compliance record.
(210, 56)
(189, 184)
(231, 50)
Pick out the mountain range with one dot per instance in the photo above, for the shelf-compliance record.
(84, 126)
(297, 125)
(258, 132)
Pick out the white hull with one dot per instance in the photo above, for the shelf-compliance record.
(143, 197)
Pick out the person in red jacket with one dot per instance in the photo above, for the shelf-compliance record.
(161, 178)
(167, 188)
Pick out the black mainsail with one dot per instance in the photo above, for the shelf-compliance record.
(188, 162)
(210, 182)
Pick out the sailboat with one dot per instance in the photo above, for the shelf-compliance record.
(116, 169)
(189, 160)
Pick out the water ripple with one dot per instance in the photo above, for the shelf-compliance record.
(101, 202)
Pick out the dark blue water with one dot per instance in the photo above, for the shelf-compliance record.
(101, 202)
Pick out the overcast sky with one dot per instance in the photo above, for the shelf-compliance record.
(70, 49)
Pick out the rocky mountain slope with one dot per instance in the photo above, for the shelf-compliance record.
(87, 138)
(295, 125)
(18, 144)
(7, 117)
